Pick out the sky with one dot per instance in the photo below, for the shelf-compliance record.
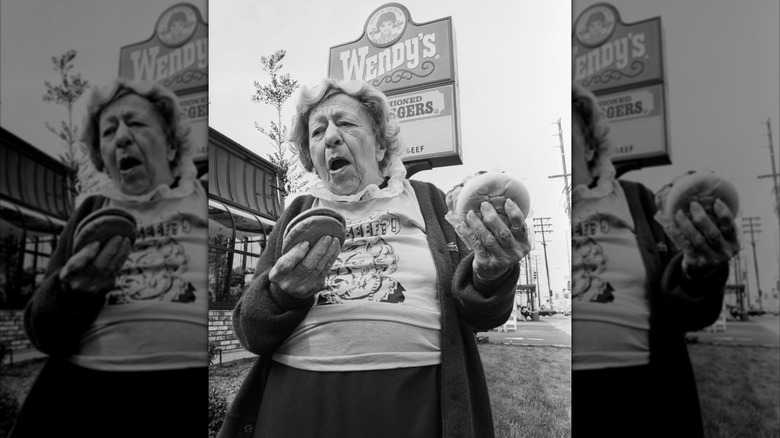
(513, 79)
(723, 84)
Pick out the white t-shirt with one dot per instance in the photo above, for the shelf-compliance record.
(156, 317)
(379, 308)
(610, 313)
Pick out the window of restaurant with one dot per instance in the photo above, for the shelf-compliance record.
(236, 241)
(27, 241)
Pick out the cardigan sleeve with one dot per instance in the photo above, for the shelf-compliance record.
(484, 305)
(691, 304)
(266, 315)
(56, 316)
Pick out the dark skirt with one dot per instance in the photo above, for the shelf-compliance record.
(71, 401)
(384, 403)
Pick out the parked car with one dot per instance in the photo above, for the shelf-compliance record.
(546, 312)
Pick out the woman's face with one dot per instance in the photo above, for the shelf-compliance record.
(343, 148)
(133, 145)
(581, 154)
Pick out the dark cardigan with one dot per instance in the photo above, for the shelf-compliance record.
(265, 316)
(677, 305)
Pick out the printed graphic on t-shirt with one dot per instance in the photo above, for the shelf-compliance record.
(363, 270)
(155, 268)
(589, 261)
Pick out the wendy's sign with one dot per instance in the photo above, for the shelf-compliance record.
(623, 65)
(609, 54)
(176, 55)
(394, 53)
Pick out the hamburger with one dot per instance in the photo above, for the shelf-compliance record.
(101, 225)
(703, 188)
(313, 224)
(494, 188)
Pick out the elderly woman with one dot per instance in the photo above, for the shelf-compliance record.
(635, 295)
(125, 327)
(375, 338)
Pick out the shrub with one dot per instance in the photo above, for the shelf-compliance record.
(213, 351)
(218, 406)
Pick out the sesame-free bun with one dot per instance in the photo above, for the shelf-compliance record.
(313, 224)
(703, 188)
(101, 225)
(495, 188)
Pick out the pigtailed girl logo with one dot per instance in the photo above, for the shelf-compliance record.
(176, 25)
(595, 25)
(386, 25)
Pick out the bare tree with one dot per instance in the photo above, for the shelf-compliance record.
(276, 94)
(70, 88)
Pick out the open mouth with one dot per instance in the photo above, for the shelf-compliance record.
(337, 164)
(128, 163)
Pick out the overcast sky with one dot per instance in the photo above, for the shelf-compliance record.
(513, 77)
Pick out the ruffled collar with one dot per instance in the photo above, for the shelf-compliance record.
(187, 178)
(605, 183)
(396, 171)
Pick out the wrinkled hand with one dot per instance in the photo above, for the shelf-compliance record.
(93, 269)
(301, 272)
(497, 247)
(706, 242)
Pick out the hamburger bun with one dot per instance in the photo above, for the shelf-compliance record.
(703, 188)
(494, 188)
(102, 225)
(313, 224)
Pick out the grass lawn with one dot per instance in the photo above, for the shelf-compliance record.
(739, 390)
(530, 389)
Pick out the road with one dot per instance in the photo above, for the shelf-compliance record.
(756, 331)
(549, 330)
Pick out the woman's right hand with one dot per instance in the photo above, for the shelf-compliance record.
(301, 272)
(93, 269)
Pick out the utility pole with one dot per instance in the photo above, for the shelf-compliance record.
(740, 276)
(528, 277)
(541, 225)
(774, 174)
(536, 277)
(565, 175)
(752, 228)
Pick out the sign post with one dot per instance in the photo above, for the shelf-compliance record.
(414, 65)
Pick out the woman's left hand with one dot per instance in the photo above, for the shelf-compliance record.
(706, 243)
(497, 247)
